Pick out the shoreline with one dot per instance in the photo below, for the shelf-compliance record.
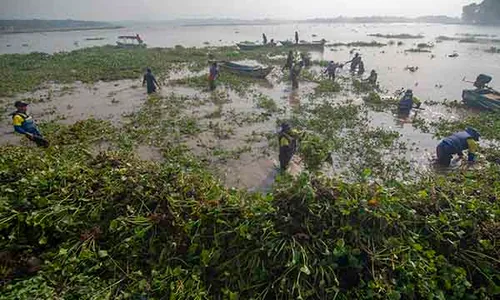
(32, 30)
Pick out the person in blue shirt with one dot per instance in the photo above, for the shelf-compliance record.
(456, 144)
(25, 125)
(407, 103)
(150, 82)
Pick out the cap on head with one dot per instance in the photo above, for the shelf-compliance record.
(473, 132)
(20, 104)
(409, 92)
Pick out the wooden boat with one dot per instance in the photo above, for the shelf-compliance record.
(246, 47)
(486, 98)
(130, 41)
(310, 45)
(251, 71)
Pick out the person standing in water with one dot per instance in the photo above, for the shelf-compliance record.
(25, 125)
(331, 69)
(213, 75)
(361, 68)
(264, 39)
(354, 62)
(296, 37)
(289, 61)
(150, 81)
(294, 75)
(288, 145)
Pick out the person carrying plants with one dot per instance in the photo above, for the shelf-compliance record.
(288, 142)
(213, 74)
(407, 103)
(25, 125)
(289, 61)
(456, 144)
(331, 69)
(294, 75)
(150, 81)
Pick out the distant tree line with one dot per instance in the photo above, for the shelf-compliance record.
(487, 12)
(48, 24)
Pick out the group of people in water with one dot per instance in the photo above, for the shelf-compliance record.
(289, 138)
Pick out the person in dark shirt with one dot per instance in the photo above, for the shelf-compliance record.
(150, 82)
(212, 76)
(264, 39)
(296, 37)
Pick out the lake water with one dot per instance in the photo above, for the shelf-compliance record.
(438, 78)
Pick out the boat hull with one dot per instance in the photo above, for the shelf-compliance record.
(255, 72)
(485, 99)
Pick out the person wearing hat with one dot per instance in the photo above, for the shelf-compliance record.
(25, 125)
(407, 103)
(288, 141)
(150, 82)
(456, 144)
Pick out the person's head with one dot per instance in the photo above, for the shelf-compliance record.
(409, 92)
(373, 72)
(285, 127)
(148, 70)
(214, 64)
(290, 52)
(356, 55)
(21, 106)
(473, 133)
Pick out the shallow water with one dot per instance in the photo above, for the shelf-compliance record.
(439, 77)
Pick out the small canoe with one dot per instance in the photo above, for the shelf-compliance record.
(130, 45)
(247, 47)
(487, 99)
(312, 45)
(251, 71)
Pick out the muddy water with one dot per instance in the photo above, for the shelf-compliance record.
(438, 78)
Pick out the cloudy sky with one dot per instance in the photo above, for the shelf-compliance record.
(115, 10)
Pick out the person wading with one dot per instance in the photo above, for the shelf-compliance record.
(456, 144)
(408, 102)
(288, 145)
(331, 69)
(25, 125)
(213, 74)
(150, 82)
(354, 62)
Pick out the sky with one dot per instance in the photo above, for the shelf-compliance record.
(118, 10)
